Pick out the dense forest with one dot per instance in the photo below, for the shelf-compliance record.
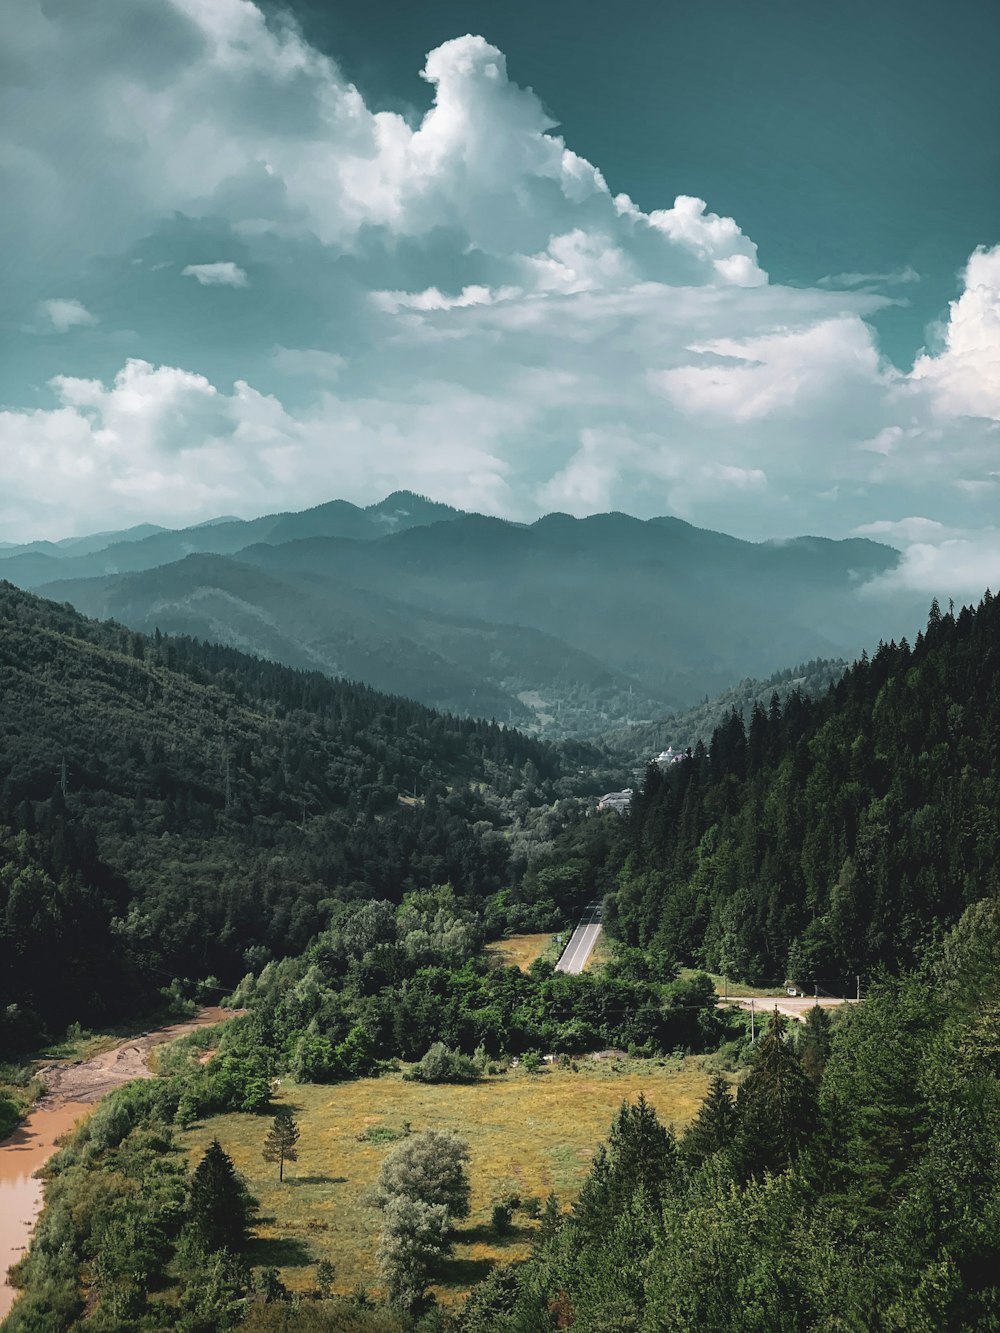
(172, 809)
(827, 837)
(851, 1184)
(336, 859)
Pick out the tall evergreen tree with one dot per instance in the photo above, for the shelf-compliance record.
(219, 1205)
(775, 1106)
(714, 1127)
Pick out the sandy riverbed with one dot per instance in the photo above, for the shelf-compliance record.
(71, 1089)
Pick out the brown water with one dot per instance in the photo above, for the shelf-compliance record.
(27, 1149)
(72, 1089)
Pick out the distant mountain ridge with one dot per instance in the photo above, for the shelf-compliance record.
(566, 626)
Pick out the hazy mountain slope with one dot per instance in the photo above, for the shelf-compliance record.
(322, 623)
(574, 625)
(686, 612)
(691, 725)
(147, 547)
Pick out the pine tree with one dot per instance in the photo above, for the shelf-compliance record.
(815, 1043)
(775, 1106)
(218, 1204)
(279, 1146)
(714, 1126)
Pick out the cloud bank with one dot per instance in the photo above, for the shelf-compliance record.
(454, 301)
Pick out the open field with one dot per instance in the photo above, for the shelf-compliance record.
(522, 950)
(737, 989)
(534, 1133)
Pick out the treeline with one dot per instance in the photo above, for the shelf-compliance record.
(174, 809)
(827, 837)
(852, 1183)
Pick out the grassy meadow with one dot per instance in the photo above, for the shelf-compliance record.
(533, 1133)
(522, 950)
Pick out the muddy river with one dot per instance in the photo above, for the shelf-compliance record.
(72, 1088)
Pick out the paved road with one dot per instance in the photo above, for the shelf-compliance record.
(581, 942)
(796, 1006)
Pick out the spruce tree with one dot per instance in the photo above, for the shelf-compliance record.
(279, 1146)
(218, 1204)
(714, 1126)
(775, 1106)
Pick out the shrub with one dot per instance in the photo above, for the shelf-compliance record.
(443, 1065)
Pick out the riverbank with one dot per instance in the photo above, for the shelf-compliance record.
(72, 1088)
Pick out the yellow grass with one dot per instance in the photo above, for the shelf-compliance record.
(602, 953)
(522, 950)
(533, 1133)
(738, 989)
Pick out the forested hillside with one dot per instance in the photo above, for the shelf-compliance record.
(828, 836)
(564, 626)
(174, 809)
(851, 1183)
(685, 729)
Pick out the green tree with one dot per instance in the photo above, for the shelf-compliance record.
(430, 1168)
(415, 1237)
(219, 1205)
(714, 1126)
(815, 1042)
(279, 1145)
(775, 1106)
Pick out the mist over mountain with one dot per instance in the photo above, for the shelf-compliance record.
(568, 626)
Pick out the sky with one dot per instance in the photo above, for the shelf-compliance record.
(735, 263)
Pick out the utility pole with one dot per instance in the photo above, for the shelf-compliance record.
(858, 977)
(753, 1029)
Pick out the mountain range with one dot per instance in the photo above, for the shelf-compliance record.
(566, 626)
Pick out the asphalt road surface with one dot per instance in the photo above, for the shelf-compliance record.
(581, 942)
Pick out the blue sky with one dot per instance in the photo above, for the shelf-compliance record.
(739, 263)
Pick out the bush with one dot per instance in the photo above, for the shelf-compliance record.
(443, 1065)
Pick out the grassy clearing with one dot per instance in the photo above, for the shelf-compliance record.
(522, 950)
(534, 1133)
(602, 953)
(737, 989)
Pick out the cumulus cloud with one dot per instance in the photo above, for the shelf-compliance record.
(64, 313)
(223, 273)
(962, 566)
(240, 119)
(485, 320)
(162, 441)
(964, 377)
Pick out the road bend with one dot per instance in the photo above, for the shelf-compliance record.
(581, 942)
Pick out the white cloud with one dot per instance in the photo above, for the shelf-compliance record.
(240, 120)
(905, 531)
(787, 371)
(897, 277)
(311, 361)
(964, 378)
(575, 352)
(432, 299)
(65, 313)
(223, 273)
(961, 566)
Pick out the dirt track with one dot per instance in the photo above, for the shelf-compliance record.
(89, 1080)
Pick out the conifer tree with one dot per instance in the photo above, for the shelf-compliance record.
(714, 1126)
(775, 1106)
(218, 1204)
(279, 1146)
